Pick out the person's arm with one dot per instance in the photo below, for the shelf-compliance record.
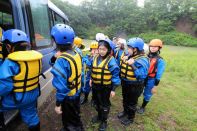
(140, 68)
(160, 70)
(8, 69)
(61, 72)
(91, 65)
(115, 71)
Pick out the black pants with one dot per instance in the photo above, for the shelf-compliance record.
(131, 93)
(101, 95)
(71, 118)
(2, 120)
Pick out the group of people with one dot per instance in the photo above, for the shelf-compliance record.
(110, 65)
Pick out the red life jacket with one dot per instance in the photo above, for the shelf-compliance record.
(153, 67)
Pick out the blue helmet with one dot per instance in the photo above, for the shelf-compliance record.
(136, 43)
(15, 36)
(63, 34)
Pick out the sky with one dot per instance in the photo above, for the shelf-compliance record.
(77, 2)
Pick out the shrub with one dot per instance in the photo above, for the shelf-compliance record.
(171, 38)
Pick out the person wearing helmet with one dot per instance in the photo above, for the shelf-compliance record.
(67, 78)
(87, 60)
(156, 70)
(119, 52)
(94, 49)
(78, 45)
(19, 79)
(104, 80)
(134, 70)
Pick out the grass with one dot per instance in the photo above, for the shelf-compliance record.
(174, 107)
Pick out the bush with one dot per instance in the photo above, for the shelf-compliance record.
(171, 38)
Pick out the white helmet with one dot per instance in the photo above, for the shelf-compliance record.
(100, 36)
(146, 48)
(122, 41)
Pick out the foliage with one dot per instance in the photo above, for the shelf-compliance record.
(171, 38)
(113, 17)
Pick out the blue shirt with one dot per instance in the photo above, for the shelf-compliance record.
(8, 70)
(160, 68)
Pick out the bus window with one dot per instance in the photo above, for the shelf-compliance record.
(41, 25)
(6, 19)
(58, 19)
(51, 17)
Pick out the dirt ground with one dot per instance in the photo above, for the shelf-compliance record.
(50, 121)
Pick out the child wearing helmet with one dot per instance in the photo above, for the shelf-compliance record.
(78, 45)
(67, 72)
(104, 80)
(119, 52)
(134, 70)
(87, 60)
(94, 49)
(156, 70)
(19, 80)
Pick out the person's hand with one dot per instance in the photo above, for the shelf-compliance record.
(58, 110)
(58, 54)
(113, 94)
(154, 90)
(125, 58)
(90, 83)
(131, 61)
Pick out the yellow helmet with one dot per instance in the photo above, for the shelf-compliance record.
(156, 42)
(78, 41)
(94, 45)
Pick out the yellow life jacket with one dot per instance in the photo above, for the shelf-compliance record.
(100, 73)
(1, 52)
(126, 71)
(74, 80)
(30, 69)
